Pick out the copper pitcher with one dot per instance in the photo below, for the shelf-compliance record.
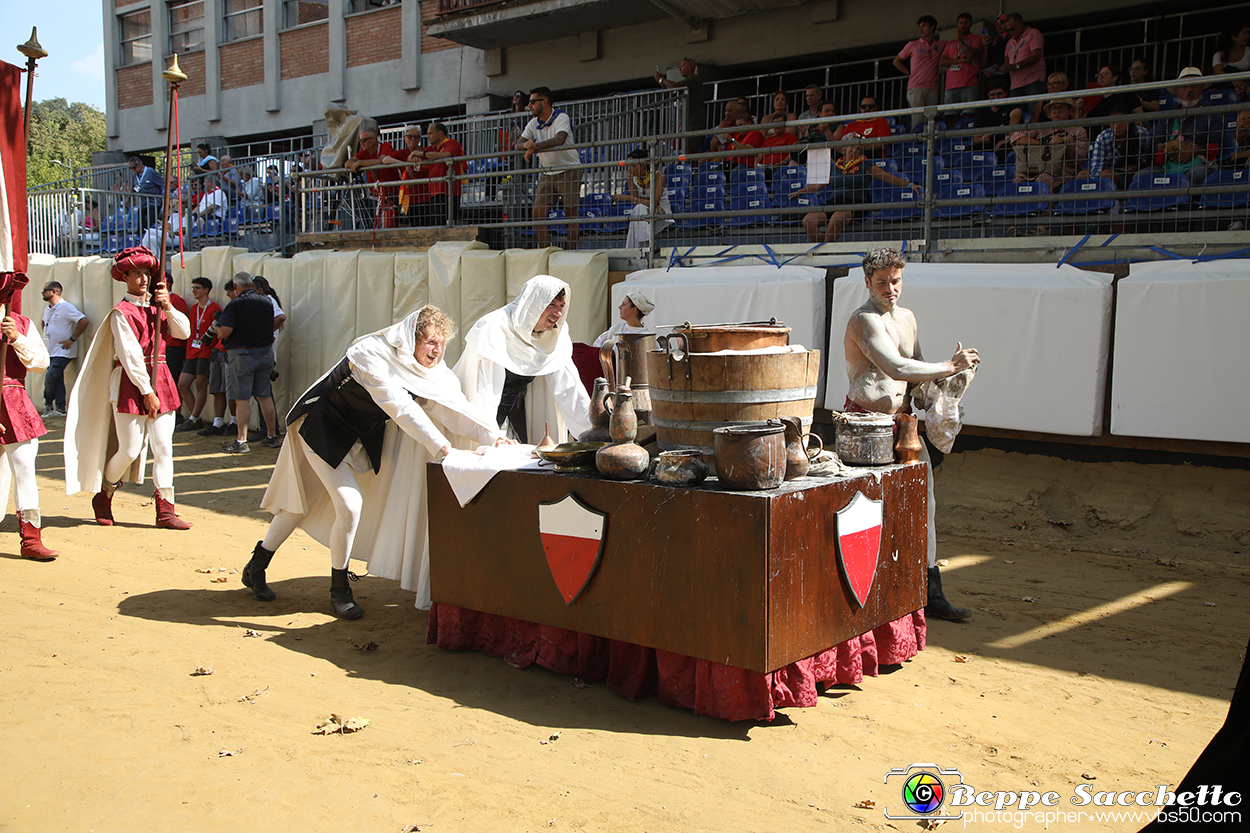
(798, 456)
(624, 356)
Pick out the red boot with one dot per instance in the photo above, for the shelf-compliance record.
(32, 544)
(166, 518)
(102, 503)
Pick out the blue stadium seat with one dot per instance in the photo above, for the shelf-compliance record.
(678, 169)
(812, 202)
(619, 209)
(1212, 98)
(892, 194)
(914, 168)
(887, 165)
(964, 124)
(949, 148)
(132, 219)
(704, 198)
(709, 176)
(1021, 189)
(1085, 185)
(959, 191)
(739, 175)
(999, 178)
(1238, 177)
(749, 196)
(904, 151)
(976, 165)
(1138, 192)
(594, 206)
(787, 180)
(948, 178)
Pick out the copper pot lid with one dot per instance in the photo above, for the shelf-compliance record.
(770, 327)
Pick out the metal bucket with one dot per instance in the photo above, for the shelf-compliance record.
(693, 394)
(865, 439)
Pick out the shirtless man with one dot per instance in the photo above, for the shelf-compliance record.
(882, 360)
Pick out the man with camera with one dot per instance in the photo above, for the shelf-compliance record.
(246, 331)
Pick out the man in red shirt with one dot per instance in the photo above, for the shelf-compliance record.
(414, 196)
(377, 158)
(868, 125)
(199, 354)
(442, 147)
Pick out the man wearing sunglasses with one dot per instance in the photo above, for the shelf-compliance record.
(547, 135)
(869, 125)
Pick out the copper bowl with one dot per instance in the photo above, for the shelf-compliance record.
(571, 456)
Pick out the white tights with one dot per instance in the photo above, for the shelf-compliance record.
(21, 459)
(130, 445)
(345, 496)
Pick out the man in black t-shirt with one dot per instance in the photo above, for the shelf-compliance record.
(1001, 114)
(246, 331)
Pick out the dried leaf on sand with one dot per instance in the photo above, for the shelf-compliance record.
(339, 725)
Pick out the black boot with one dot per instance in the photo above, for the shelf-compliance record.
(341, 601)
(254, 574)
(937, 607)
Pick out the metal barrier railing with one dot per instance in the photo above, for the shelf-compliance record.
(942, 209)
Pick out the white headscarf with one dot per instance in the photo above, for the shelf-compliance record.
(506, 336)
(390, 352)
(639, 300)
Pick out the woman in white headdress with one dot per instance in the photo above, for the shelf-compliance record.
(352, 469)
(634, 307)
(517, 364)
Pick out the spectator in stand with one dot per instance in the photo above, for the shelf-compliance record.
(1120, 151)
(1107, 80)
(228, 179)
(719, 141)
(999, 114)
(962, 58)
(442, 147)
(825, 131)
(1025, 60)
(744, 110)
(151, 186)
(996, 50)
(921, 67)
(414, 195)
(271, 188)
(813, 98)
(1052, 155)
(850, 181)
(1232, 56)
(696, 100)
(745, 138)
(548, 135)
(177, 225)
(206, 164)
(1186, 143)
(1237, 150)
(639, 193)
(212, 203)
(868, 126)
(378, 161)
(63, 325)
(199, 354)
(1057, 85)
(780, 114)
(252, 190)
(1139, 73)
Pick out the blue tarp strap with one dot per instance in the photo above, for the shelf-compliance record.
(1227, 255)
(1072, 251)
(772, 257)
(1166, 253)
(1109, 239)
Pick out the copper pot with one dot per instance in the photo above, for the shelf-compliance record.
(750, 457)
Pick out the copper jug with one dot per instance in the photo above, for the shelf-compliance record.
(798, 456)
(600, 414)
(907, 446)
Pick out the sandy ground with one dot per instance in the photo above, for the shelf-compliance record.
(1083, 665)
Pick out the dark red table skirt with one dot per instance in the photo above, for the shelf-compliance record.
(709, 688)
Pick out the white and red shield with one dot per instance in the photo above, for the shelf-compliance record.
(573, 537)
(859, 542)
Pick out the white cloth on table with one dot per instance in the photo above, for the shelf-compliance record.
(468, 473)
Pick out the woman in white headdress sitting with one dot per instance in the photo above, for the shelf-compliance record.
(634, 307)
(517, 364)
(352, 469)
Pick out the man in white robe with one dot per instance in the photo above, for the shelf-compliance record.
(517, 364)
(352, 470)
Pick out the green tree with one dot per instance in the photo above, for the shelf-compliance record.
(66, 132)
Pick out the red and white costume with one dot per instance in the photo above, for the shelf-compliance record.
(107, 410)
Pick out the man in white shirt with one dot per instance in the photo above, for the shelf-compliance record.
(211, 204)
(63, 325)
(550, 129)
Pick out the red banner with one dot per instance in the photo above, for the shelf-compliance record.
(13, 251)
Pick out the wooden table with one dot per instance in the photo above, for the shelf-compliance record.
(748, 579)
